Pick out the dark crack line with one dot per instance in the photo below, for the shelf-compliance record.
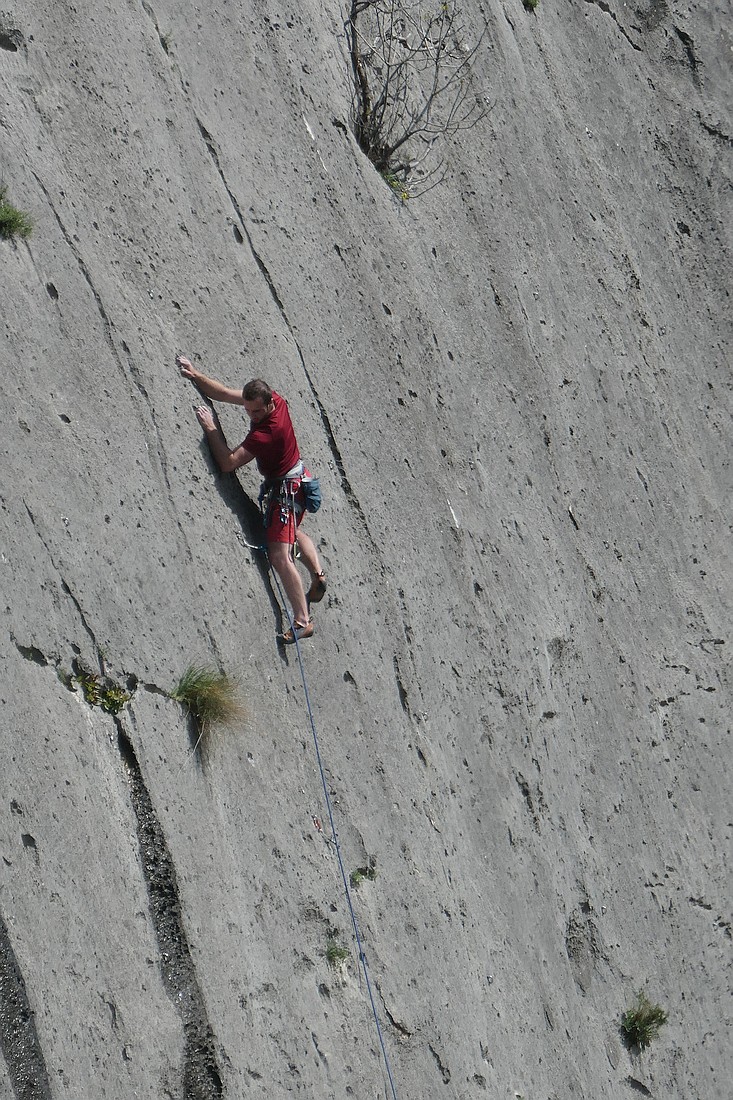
(210, 144)
(325, 420)
(201, 1073)
(262, 267)
(66, 588)
(605, 7)
(84, 623)
(442, 1067)
(400, 1028)
(18, 1036)
(107, 324)
(401, 689)
(132, 373)
(715, 131)
(154, 19)
(689, 47)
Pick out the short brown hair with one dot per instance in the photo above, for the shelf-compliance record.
(257, 388)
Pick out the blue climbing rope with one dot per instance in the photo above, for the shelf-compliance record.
(354, 922)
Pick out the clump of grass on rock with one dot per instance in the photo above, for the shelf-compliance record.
(336, 953)
(361, 873)
(210, 696)
(13, 222)
(641, 1023)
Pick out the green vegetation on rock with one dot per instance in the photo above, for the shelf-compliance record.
(210, 696)
(13, 222)
(641, 1022)
(335, 952)
(98, 691)
(356, 877)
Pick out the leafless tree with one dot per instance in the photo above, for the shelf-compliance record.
(411, 65)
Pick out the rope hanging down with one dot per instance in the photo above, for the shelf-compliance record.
(347, 892)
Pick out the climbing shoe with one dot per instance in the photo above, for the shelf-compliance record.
(317, 590)
(297, 632)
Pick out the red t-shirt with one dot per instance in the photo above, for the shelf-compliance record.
(273, 441)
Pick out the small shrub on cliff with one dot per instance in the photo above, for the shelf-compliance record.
(641, 1023)
(13, 222)
(530, 5)
(335, 952)
(411, 68)
(98, 690)
(396, 184)
(357, 877)
(210, 696)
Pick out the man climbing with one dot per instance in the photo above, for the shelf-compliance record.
(271, 442)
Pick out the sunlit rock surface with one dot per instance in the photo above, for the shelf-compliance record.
(516, 392)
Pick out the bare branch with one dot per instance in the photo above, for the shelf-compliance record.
(411, 70)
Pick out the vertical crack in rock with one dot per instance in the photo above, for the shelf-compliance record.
(527, 795)
(330, 436)
(244, 233)
(106, 323)
(132, 373)
(442, 1067)
(715, 131)
(65, 588)
(201, 1074)
(402, 1029)
(606, 7)
(154, 20)
(404, 702)
(688, 45)
(18, 1036)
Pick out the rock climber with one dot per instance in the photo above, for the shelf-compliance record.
(271, 442)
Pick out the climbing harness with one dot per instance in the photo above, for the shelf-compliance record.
(280, 498)
(336, 845)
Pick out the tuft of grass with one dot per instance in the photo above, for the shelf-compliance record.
(13, 222)
(531, 5)
(641, 1022)
(210, 696)
(335, 952)
(357, 877)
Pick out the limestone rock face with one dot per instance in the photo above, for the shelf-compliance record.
(516, 392)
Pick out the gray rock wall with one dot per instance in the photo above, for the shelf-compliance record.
(516, 391)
